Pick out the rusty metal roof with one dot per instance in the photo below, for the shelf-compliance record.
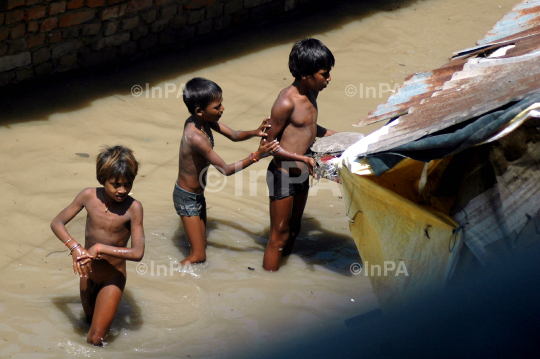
(524, 19)
(475, 82)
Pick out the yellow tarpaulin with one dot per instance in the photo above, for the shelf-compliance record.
(396, 226)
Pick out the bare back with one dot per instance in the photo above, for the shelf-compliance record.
(192, 163)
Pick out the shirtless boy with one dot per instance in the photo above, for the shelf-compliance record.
(203, 99)
(294, 123)
(112, 218)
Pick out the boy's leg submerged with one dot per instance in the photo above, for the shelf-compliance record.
(107, 301)
(280, 215)
(285, 224)
(191, 208)
(195, 229)
(295, 222)
(88, 292)
(288, 197)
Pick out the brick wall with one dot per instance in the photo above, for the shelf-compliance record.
(39, 37)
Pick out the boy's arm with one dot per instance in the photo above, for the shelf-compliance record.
(202, 146)
(240, 135)
(323, 132)
(136, 252)
(58, 226)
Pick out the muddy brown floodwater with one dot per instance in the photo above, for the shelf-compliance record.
(224, 308)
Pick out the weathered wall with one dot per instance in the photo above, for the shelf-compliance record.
(39, 37)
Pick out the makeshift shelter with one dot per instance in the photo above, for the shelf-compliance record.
(458, 163)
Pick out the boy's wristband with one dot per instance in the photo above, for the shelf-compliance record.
(74, 247)
(69, 240)
(252, 157)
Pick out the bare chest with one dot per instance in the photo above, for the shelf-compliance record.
(305, 113)
(108, 225)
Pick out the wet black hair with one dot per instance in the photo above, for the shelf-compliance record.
(199, 92)
(116, 162)
(308, 56)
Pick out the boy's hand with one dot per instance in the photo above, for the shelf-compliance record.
(261, 131)
(81, 260)
(268, 148)
(93, 252)
(310, 162)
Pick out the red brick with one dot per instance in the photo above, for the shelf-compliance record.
(4, 33)
(41, 55)
(14, 16)
(32, 26)
(57, 7)
(91, 29)
(75, 4)
(35, 13)
(24, 74)
(68, 60)
(70, 32)
(17, 46)
(49, 24)
(168, 12)
(43, 69)
(2, 16)
(130, 23)
(76, 18)
(196, 4)
(55, 36)
(149, 15)
(110, 27)
(112, 2)
(95, 3)
(14, 3)
(161, 2)
(17, 31)
(136, 5)
(3, 48)
(32, 2)
(112, 12)
(35, 40)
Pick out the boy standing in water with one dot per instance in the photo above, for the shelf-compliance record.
(294, 123)
(112, 218)
(203, 99)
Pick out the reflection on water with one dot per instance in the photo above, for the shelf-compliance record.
(128, 318)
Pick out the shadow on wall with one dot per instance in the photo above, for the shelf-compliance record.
(38, 99)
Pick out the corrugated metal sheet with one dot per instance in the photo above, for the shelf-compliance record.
(469, 85)
(523, 17)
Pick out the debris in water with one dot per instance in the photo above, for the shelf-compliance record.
(251, 268)
(83, 154)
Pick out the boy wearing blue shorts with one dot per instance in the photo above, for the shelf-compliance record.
(203, 99)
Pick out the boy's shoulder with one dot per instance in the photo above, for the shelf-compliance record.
(193, 137)
(89, 193)
(285, 100)
(135, 204)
